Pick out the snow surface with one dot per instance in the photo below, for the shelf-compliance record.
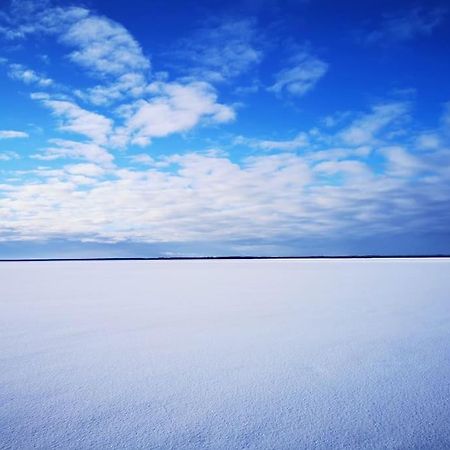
(283, 354)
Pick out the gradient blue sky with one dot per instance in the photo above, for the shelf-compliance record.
(148, 128)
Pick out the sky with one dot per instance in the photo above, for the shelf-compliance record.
(255, 127)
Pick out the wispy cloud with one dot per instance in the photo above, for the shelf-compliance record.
(221, 51)
(364, 129)
(27, 18)
(28, 76)
(80, 121)
(299, 141)
(67, 149)
(142, 158)
(104, 47)
(129, 85)
(406, 25)
(99, 45)
(12, 134)
(300, 76)
(8, 156)
(401, 162)
(445, 120)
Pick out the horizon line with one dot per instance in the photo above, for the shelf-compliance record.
(193, 258)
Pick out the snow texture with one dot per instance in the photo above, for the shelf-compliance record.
(284, 354)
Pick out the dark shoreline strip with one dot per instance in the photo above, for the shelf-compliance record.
(215, 258)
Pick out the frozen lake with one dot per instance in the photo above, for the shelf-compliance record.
(268, 354)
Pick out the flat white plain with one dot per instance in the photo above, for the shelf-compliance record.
(265, 354)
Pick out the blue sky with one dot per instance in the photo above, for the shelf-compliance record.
(217, 128)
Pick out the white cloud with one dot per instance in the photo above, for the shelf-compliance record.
(28, 76)
(301, 76)
(62, 148)
(12, 134)
(209, 197)
(142, 158)
(104, 47)
(200, 197)
(354, 170)
(338, 153)
(78, 120)
(28, 18)
(428, 141)
(401, 162)
(364, 129)
(175, 108)
(8, 156)
(128, 85)
(155, 206)
(86, 169)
